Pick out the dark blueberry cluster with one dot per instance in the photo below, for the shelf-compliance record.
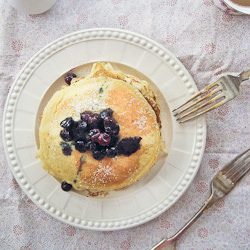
(98, 133)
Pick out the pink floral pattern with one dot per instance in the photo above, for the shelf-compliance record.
(171, 2)
(82, 18)
(220, 203)
(25, 248)
(202, 232)
(17, 230)
(202, 187)
(208, 2)
(70, 231)
(210, 48)
(171, 39)
(210, 42)
(213, 163)
(126, 244)
(17, 45)
(123, 21)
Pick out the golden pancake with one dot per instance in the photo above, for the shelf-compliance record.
(135, 109)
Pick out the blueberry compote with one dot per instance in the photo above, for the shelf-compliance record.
(97, 133)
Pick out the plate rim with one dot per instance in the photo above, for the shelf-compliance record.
(243, 10)
(7, 129)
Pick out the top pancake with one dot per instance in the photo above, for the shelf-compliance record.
(135, 109)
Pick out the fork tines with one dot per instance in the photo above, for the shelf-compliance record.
(236, 169)
(207, 99)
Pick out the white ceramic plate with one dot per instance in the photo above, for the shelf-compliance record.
(134, 54)
(237, 7)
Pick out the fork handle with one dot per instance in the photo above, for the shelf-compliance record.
(169, 241)
(244, 75)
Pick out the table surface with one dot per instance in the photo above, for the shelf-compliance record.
(210, 43)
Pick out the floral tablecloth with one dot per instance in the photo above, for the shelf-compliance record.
(210, 42)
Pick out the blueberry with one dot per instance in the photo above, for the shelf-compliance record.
(66, 186)
(104, 139)
(111, 152)
(101, 90)
(98, 155)
(114, 140)
(106, 113)
(91, 146)
(82, 125)
(108, 130)
(66, 148)
(65, 135)
(68, 77)
(94, 134)
(108, 121)
(102, 149)
(78, 131)
(80, 146)
(79, 135)
(94, 120)
(87, 137)
(67, 123)
(111, 126)
(85, 115)
(129, 145)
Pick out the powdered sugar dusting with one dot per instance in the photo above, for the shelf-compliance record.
(91, 105)
(131, 102)
(141, 122)
(104, 174)
(92, 102)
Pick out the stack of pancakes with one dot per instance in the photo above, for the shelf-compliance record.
(135, 109)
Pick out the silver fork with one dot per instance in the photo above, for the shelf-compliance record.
(221, 185)
(211, 97)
